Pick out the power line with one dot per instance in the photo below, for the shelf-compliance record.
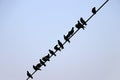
(71, 35)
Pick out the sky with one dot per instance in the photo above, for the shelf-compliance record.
(29, 28)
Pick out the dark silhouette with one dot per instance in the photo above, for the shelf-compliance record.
(57, 48)
(36, 68)
(71, 32)
(29, 75)
(94, 10)
(83, 21)
(39, 65)
(66, 38)
(60, 44)
(79, 25)
(43, 63)
(46, 58)
(52, 53)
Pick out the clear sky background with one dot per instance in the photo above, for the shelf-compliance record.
(28, 28)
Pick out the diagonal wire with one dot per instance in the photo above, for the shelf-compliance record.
(76, 31)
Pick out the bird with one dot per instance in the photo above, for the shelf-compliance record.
(60, 44)
(43, 63)
(94, 10)
(46, 58)
(66, 38)
(29, 75)
(52, 53)
(79, 25)
(39, 65)
(83, 21)
(36, 68)
(71, 32)
(57, 48)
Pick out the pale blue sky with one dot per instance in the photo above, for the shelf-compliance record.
(28, 28)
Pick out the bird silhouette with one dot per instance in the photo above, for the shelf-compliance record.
(39, 65)
(29, 75)
(66, 38)
(36, 68)
(46, 58)
(57, 48)
(83, 21)
(43, 63)
(60, 44)
(79, 25)
(94, 10)
(52, 53)
(70, 32)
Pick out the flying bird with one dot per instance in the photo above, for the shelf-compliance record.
(36, 68)
(94, 10)
(79, 25)
(57, 48)
(66, 38)
(83, 21)
(52, 53)
(43, 63)
(60, 44)
(29, 75)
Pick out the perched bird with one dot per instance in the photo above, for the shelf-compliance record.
(52, 53)
(46, 58)
(66, 38)
(60, 44)
(29, 75)
(94, 10)
(79, 25)
(43, 63)
(71, 32)
(83, 21)
(57, 48)
(39, 65)
(36, 68)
